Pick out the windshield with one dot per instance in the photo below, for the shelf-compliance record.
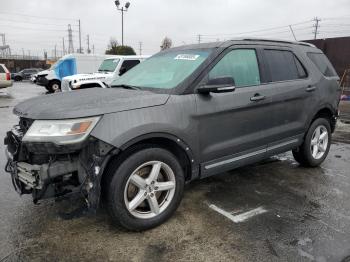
(164, 70)
(109, 65)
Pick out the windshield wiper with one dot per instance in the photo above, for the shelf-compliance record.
(127, 87)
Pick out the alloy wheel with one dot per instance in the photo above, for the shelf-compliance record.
(149, 189)
(319, 142)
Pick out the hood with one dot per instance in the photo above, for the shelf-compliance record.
(84, 77)
(45, 72)
(87, 102)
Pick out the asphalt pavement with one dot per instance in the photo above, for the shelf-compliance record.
(271, 211)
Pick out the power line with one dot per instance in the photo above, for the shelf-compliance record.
(261, 30)
(37, 17)
(37, 29)
(30, 22)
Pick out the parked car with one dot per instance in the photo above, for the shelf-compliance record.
(68, 65)
(25, 74)
(185, 113)
(110, 69)
(5, 77)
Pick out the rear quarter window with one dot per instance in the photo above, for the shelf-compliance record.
(323, 64)
(2, 70)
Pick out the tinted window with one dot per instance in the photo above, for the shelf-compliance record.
(284, 65)
(322, 63)
(2, 69)
(301, 70)
(128, 64)
(241, 64)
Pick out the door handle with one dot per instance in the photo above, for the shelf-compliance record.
(257, 97)
(310, 88)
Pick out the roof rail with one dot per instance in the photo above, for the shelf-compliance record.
(306, 43)
(279, 41)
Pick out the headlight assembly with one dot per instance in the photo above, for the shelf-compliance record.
(60, 132)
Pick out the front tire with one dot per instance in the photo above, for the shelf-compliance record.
(145, 189)
(54, 86)
(316, 144)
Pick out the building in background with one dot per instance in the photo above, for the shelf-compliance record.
(338, 52)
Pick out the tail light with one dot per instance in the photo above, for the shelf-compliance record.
(8, 76)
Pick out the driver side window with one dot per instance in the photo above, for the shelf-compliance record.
(240, 64)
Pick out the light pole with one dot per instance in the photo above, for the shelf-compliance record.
(122, 9)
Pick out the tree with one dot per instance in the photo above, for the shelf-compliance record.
(115, 49)
(166, 43)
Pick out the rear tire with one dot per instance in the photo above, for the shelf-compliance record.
(316, 144)
(145, 189)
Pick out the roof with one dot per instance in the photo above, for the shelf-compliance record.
(247, 40)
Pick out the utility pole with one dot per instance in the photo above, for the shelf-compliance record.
(64, 49)
(79, 37)
(123, 9)
(316, 25)
(140, 48)
(88, 44)
(199, 38)
(93, 49)
(70, 40)
(291, 29)
(55, 53)
(23, 52)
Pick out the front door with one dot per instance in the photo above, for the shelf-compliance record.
(232, 125)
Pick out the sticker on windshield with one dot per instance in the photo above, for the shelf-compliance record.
(189, 57)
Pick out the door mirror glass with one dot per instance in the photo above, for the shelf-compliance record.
(218, 85)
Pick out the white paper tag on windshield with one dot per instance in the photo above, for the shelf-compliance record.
(187, 57)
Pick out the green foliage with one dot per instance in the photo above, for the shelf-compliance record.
(115, 49)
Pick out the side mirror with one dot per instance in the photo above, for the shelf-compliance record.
(122, 71)
(218, 85)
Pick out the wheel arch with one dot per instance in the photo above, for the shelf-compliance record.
(167, 141)
(328, 112)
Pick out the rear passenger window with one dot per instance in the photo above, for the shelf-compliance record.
(241, 64)
(322, 63)
(284, 65)
(128, 64)
(2, 69)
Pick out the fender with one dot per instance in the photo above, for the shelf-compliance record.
(186, 148)
(319, 108)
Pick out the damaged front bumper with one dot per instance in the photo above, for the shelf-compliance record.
(48, 171)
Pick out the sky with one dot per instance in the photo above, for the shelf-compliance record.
(37, 25)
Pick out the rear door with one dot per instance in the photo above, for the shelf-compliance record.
(292, 93)
(233, 125)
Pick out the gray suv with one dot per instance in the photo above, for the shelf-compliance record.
(186, 113)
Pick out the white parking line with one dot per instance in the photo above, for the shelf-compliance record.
(241, 217)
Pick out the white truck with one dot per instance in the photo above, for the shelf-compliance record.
(68, 65)
(110, 69)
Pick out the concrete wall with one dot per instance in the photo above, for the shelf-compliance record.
(15, 65)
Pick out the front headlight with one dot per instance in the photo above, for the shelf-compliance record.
(60, 132)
